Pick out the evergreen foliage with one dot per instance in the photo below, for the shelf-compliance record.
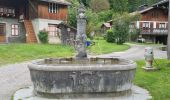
(43, 36)
(110, 36)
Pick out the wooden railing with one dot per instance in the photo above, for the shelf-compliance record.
(7, 11)
(154, 31)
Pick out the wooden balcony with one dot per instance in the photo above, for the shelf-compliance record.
(7, 12)
(154, 31)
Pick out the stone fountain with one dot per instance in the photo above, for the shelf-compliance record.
(82, 76)
(59, 77)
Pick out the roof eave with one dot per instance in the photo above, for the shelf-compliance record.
(160, 3)
(62, 3)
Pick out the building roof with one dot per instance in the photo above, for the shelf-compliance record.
(161, 3)
(107, 25)
(63, 2)
(145, 10)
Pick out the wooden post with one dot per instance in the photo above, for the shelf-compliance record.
(168, 44)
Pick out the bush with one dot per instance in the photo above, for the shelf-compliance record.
(133, 35)
(110, 37)
(43, 36)
(121, 32)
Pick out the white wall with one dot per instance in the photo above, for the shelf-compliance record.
(40, 24)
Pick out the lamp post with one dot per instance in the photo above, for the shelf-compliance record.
(168, 44)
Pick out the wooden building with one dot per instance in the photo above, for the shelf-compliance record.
(153, 25)
(106, 26)
(21, 20)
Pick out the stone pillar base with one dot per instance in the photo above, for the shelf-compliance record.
(150, 68)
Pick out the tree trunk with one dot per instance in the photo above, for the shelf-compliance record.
(168, 44)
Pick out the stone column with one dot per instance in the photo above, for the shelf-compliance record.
(81, 33)
(168, 44)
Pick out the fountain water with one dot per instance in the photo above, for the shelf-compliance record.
(81, 76)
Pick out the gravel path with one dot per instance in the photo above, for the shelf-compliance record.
(12, 78)
(16, 76)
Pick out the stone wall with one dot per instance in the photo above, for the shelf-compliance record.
(40, 24)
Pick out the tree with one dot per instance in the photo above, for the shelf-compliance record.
(86, 3)
(121, 24)
(121, 30)
(119, 5)
(99, 5)
(72, 20)
(110, 36)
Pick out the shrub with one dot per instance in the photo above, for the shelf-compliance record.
(110, 37)
(43, 36)
(133, 35)
(121, 30)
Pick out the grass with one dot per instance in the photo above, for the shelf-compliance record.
(158, 82)
(12, 53)
(103, 47)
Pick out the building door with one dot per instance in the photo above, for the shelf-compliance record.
(2, 32)
(54, 34)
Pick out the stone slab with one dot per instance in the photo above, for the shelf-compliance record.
(137, 94)
(150, 69)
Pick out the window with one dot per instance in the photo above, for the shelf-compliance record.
(53, 31)
(145, 25)
(15, 30)
(162, 25)
(1, 10)
(53, 8)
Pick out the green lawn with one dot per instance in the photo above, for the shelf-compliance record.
(103, 47)
(157, 83)
(11, 53)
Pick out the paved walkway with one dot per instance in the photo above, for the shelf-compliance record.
(15, 76)
(136, 52)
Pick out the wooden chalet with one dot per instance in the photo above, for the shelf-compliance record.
(153, 25)
(21, 20)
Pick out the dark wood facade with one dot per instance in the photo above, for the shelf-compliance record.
(154, 24)
(154, 17)
(155, 14)
(43, 12)
(31, 9)
(13, 8)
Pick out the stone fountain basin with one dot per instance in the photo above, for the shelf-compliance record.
(51, 77)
